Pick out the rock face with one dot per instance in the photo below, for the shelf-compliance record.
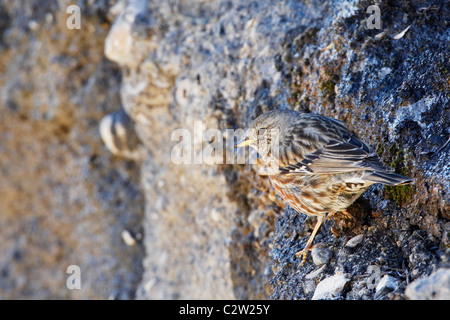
(215, 230)
(434, 287)
(65, 200)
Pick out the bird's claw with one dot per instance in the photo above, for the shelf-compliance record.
(304, 253)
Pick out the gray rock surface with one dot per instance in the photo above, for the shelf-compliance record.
(213, 230)
(434, 287)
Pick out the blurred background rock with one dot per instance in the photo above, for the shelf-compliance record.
(86, 121)
(65, 199)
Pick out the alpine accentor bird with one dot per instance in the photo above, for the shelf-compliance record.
(315, 163)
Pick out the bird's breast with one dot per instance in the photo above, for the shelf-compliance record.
(300, 199)
(317, 194)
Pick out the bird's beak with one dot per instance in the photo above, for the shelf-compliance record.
(244, 142)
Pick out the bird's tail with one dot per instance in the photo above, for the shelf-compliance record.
(391, 179)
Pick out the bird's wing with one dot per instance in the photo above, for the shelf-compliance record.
(328, 147)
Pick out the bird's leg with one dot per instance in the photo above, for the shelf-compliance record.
(348, 215)
(309, 245)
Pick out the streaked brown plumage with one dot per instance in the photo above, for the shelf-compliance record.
(315, 163)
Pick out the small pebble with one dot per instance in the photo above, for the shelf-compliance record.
(330, 287)
(321, 256)
(315, 273)
(128, 238)
(308, 287)
(33, 25)
(386, 284)
(353, 242)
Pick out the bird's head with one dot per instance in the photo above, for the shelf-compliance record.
(264, 132)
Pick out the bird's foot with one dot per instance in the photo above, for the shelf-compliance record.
(309, 246)
(304, 253)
